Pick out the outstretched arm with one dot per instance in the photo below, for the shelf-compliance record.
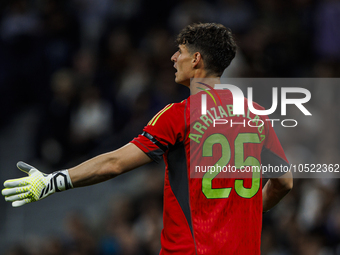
(275, 189)
(108, 165)
(98, 169)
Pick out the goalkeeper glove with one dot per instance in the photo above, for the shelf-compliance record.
(36, 186)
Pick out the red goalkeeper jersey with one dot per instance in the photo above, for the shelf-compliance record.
(211, 212)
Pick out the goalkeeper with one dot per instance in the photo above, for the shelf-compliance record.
(203, 215)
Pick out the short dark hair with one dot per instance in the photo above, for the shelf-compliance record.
(214, 41)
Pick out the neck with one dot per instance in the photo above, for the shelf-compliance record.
(198, 84)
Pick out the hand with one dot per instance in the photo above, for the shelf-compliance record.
(36, 186)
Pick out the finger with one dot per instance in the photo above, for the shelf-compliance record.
(14, 191)
(21, 202)
(9, 192)
(24, 167)
(16, 182)
(17, 197)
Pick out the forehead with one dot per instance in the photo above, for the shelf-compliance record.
(182, 47)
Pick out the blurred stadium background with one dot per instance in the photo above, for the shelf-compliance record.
(82, 77)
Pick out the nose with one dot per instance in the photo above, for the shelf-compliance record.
(174, 57)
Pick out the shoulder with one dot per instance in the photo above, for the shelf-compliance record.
(170, 112)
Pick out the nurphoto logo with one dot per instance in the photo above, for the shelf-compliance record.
(238, 102)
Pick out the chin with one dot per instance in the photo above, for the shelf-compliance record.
(183, 82)
(178, 81)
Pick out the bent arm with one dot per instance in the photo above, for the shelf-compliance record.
(108, 165)
(275, 189)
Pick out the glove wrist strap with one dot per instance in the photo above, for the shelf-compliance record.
(61, 180)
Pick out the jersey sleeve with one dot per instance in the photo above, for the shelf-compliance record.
(273, 159)
(162, 131)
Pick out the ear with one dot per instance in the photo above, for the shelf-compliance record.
(197, 60)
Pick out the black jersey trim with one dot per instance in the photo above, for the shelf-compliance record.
(155, 155)
(154, 140)
(178, 179)
(270, 158)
